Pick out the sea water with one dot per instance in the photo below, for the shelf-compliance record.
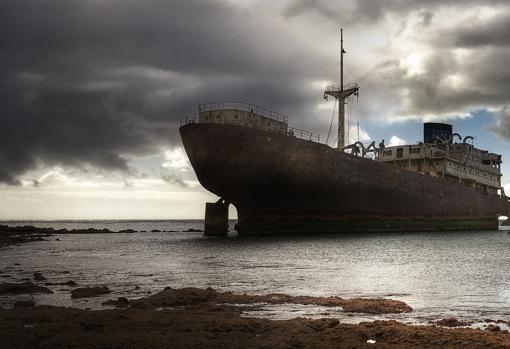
(439, 274)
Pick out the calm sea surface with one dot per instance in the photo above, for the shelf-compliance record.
(461, 274)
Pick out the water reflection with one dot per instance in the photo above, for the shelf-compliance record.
(453, 273)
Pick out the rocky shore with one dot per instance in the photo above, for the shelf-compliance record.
(203, 317)
(22, 234)
(207, 325)
(14, 235)
(199, 318)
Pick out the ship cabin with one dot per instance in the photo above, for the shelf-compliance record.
(250, 116)
(447, 155)
(244, 115)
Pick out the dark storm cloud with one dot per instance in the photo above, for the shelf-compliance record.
(299, 7)
(435, 92)
(375, 10)
(89, 83)
(495, 32)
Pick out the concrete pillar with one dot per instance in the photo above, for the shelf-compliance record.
(216, 218)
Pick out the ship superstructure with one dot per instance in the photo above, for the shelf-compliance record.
(448, 156)
(286, 180)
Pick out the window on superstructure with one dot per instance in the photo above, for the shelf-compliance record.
(400, 152)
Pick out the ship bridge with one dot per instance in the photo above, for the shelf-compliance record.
(440, 156)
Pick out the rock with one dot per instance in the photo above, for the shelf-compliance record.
(121, 302)
(155, 231)
(127, 231)
(69, 283)
(22, 234)
(22, 288)
(137, 287)
(191, 296)
(191, 230)
(17, 264)
(57, 239)
(178, 297)
(451, 322)
(86, 292)
(493, 328)
(322, 324)
(24, 304)
(39, 277)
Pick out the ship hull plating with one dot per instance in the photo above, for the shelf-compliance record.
(282, 184)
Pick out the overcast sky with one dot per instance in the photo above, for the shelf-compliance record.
(92, 91)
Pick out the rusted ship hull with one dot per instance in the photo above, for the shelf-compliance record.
(282, 184)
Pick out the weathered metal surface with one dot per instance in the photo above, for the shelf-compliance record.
(216, 218)
(279, 183)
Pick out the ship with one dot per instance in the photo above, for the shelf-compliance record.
(286, 180)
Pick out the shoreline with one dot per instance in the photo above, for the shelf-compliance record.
(197, 318)
(16, 235)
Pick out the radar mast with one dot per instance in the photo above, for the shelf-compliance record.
(341, 92)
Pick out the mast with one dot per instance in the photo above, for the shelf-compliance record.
(341, 92)
(342, 51)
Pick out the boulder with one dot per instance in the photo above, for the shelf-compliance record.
(22, 288)
(39, 277)
(86, 292)
(127, 231)
(24, 304)
(451, 322)
(121, 302)
(493, 328)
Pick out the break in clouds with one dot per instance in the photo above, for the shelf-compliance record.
(89, 84)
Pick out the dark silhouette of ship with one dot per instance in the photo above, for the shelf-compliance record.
(284, 180)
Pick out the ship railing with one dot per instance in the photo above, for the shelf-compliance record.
(243, 106)
(336, 88)
(291, 131)
(303, 134)
(189, 119)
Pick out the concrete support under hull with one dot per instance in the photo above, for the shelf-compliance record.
(301, 224)
(216, 218)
